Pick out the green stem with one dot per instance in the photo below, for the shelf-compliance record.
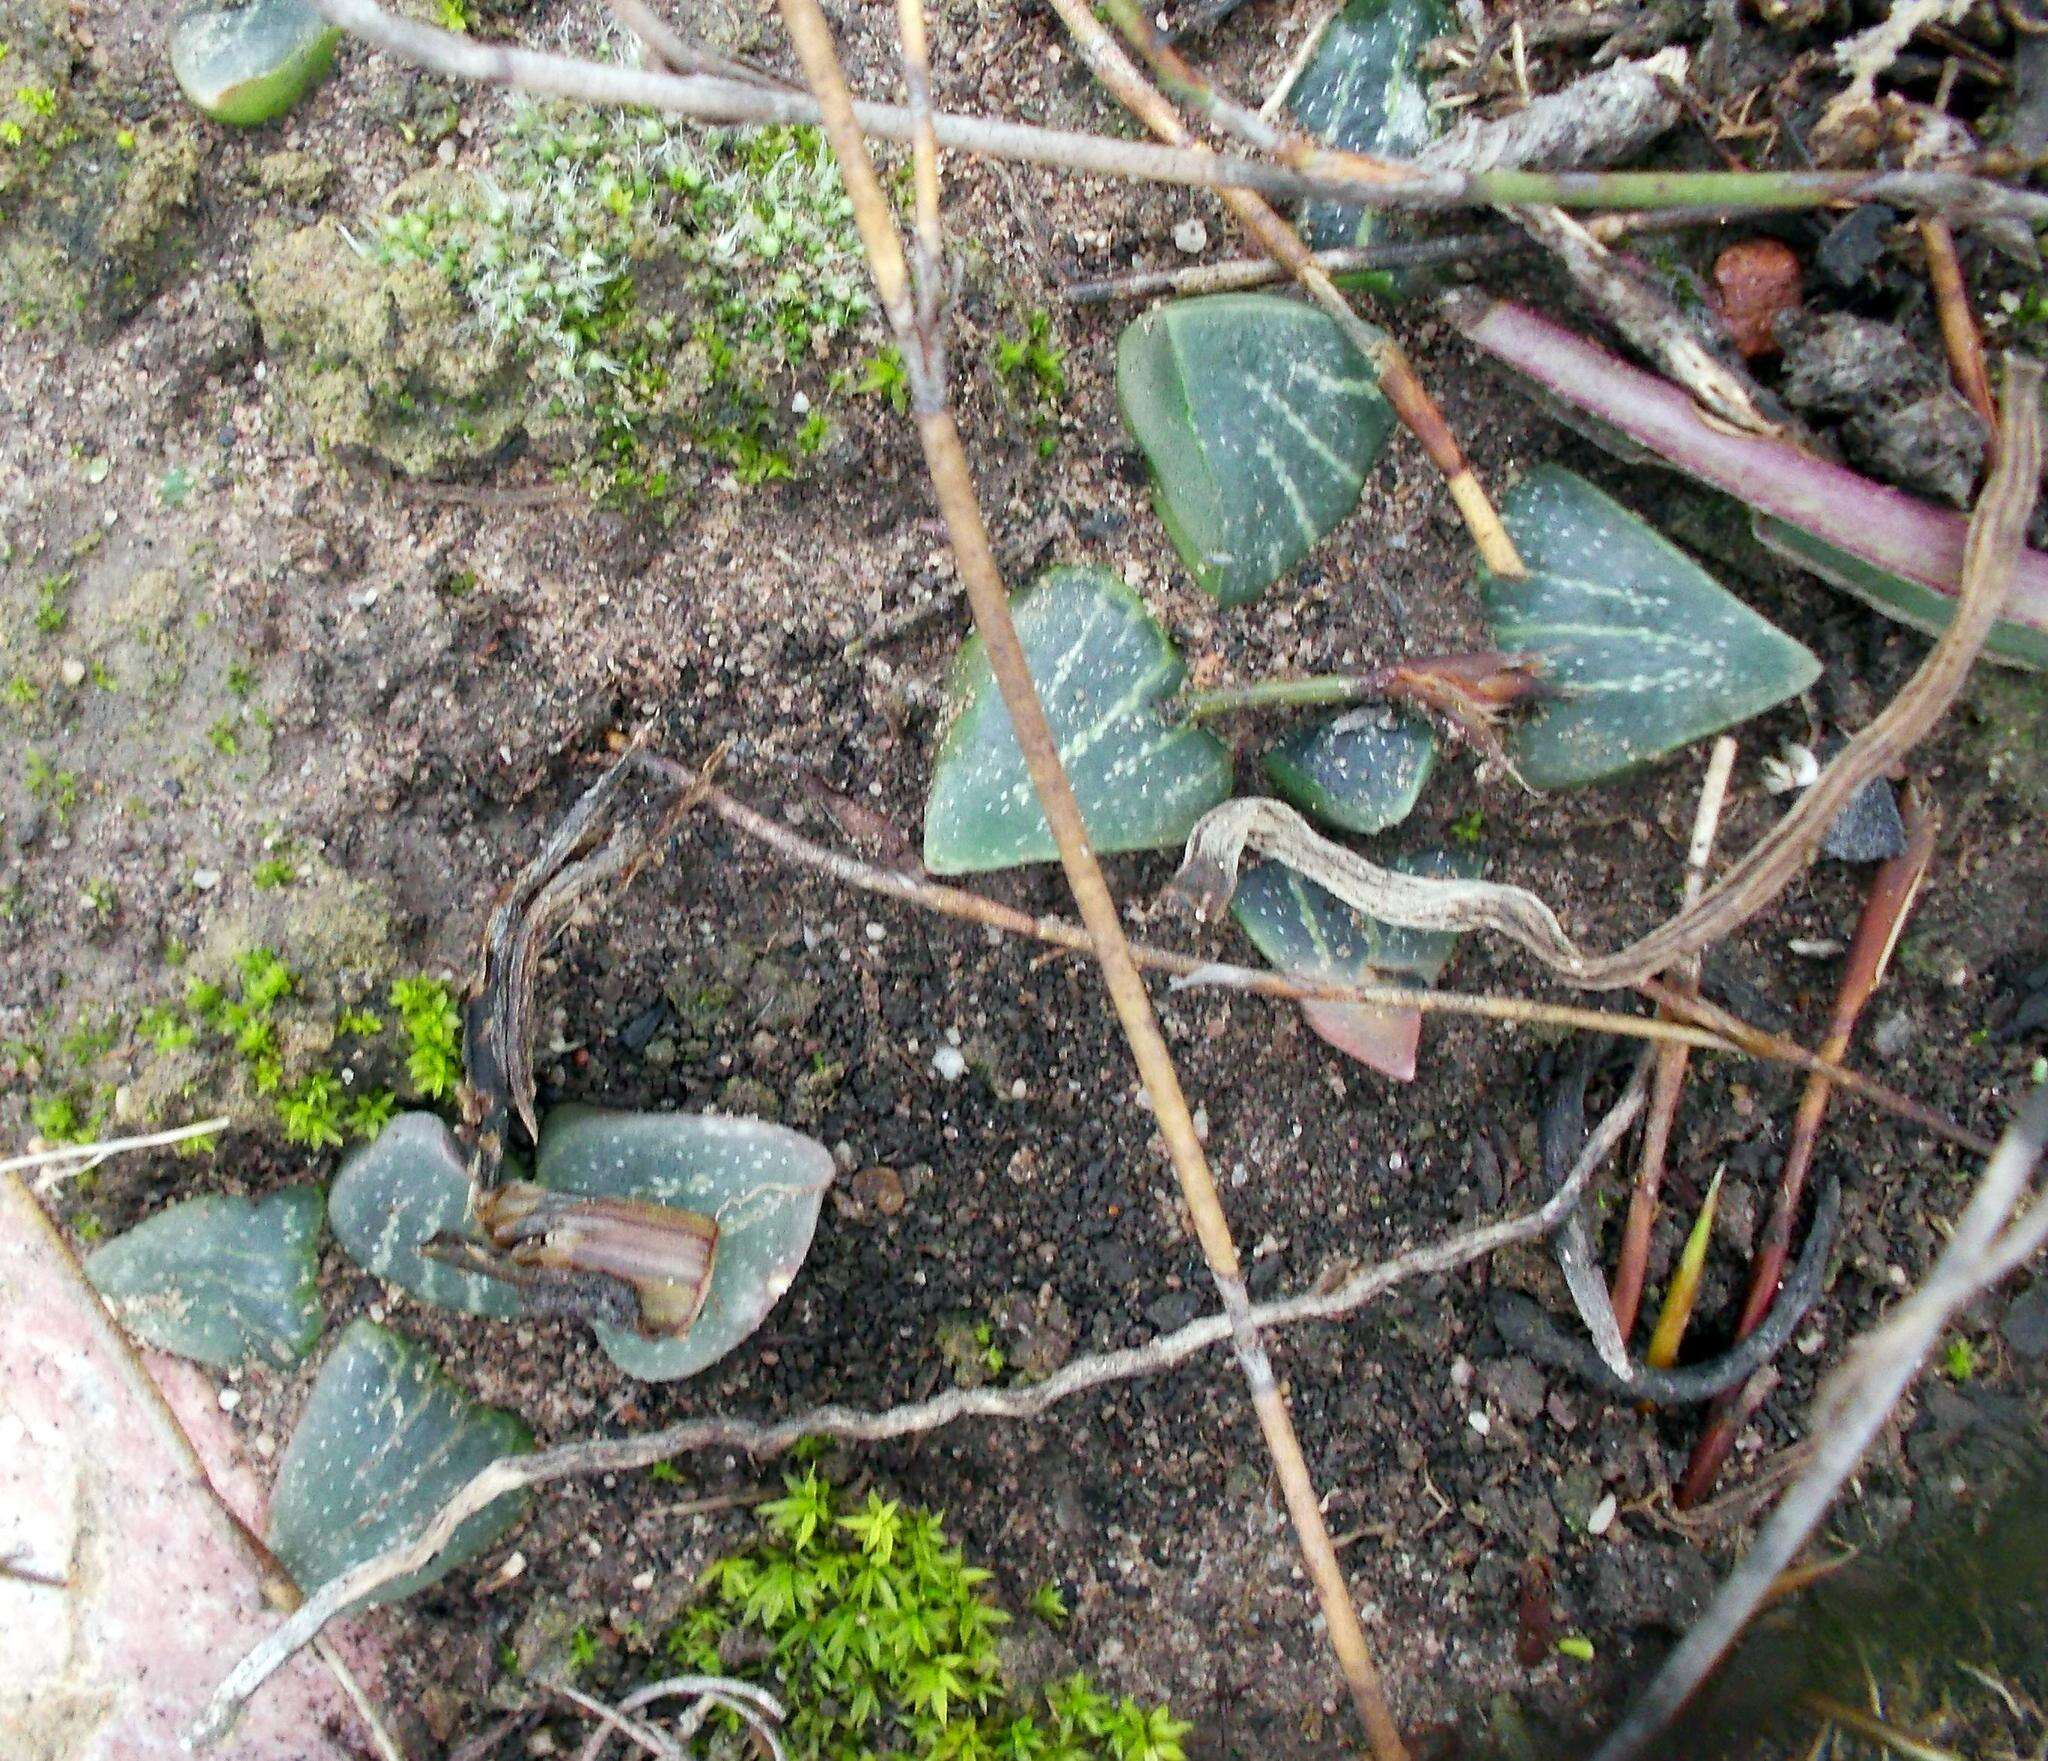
(1306, 693)
(1665, 189)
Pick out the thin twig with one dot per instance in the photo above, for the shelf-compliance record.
(59, 1158)
(959, 504)
(679, 54)
(1632, 1262)
(762, 1438)
(1959, 333)
(1850, 1412)
(1688, 1020)
(656, 1743)
(1893, 889)
(735, 103)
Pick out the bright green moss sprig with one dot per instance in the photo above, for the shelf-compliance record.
(882, 1642)
(432, 1025)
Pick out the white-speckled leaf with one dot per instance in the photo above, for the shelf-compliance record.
(1260, 422)
(761, 1183)
(1651, 652)
(1361, 771)
(1307, 932)
(1361, 91)
(385, 1440)
(399, 1190)
(222, 1280)
(1101, 665)
(249, 64)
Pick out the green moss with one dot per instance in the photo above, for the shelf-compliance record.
(2008, 719)
(879, 1638)
(624, 292)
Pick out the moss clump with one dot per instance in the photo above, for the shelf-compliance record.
(163, 173)
(380, 357)
(627, 294)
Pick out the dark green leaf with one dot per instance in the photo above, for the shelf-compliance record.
(1650, 652)
(1361, 91)
(385, 1440)
(405, 1186)
(219, 1279)
(1260, 422)
(1361, 771)
(1307, 932)
(1101, 665)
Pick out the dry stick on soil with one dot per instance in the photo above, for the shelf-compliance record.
(1272, 234)
(1631, 1263)
(678, 53)
(1959, 334)
(1852, 1409)
(1692, 1020)
(740, 104)
(763, 1438)
(946, 460)
(64, 1160)
(1892, 891)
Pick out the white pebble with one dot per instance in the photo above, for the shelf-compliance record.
(230, 1398)
(206, 879)
(1191, 237)
(1479, 1421)
(950, 1062)
(1602, 1518)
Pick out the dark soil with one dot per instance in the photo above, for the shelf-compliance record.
(424, 743)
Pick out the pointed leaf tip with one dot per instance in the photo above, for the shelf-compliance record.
(1649, 652)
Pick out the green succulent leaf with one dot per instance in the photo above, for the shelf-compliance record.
(250, 64)
(1307, 932)
(1361, 771)
(1362, 91)
(762, 1183)
(1910, 602)
(1650, 652)
(222, 1280)
(1102, 666)
(407, 1185)
(1260, 422)
(385, 1440)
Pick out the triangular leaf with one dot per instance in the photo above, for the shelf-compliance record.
(1101, 665)
(219, 1279)
(249, 64)
(1361, 771)
(762, 1184)
(1651, 654)
(385, 1440)
(400, 1190)
(1361, 91)
(1308, 932)
(1260, 422)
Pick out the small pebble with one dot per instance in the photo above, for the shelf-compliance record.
(1479, 1421)
(230, 1398)
(206, 879)
(1602, 1518)
(950, 1062)
(71, 671)
(1191, 238)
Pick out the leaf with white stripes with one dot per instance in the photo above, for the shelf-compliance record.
(1260, 422)
(1361, 771)
(1648, 651)
(221, 1280)
(386, 1439)
(1102, 665)
(1307, 932)
(1362, 91)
